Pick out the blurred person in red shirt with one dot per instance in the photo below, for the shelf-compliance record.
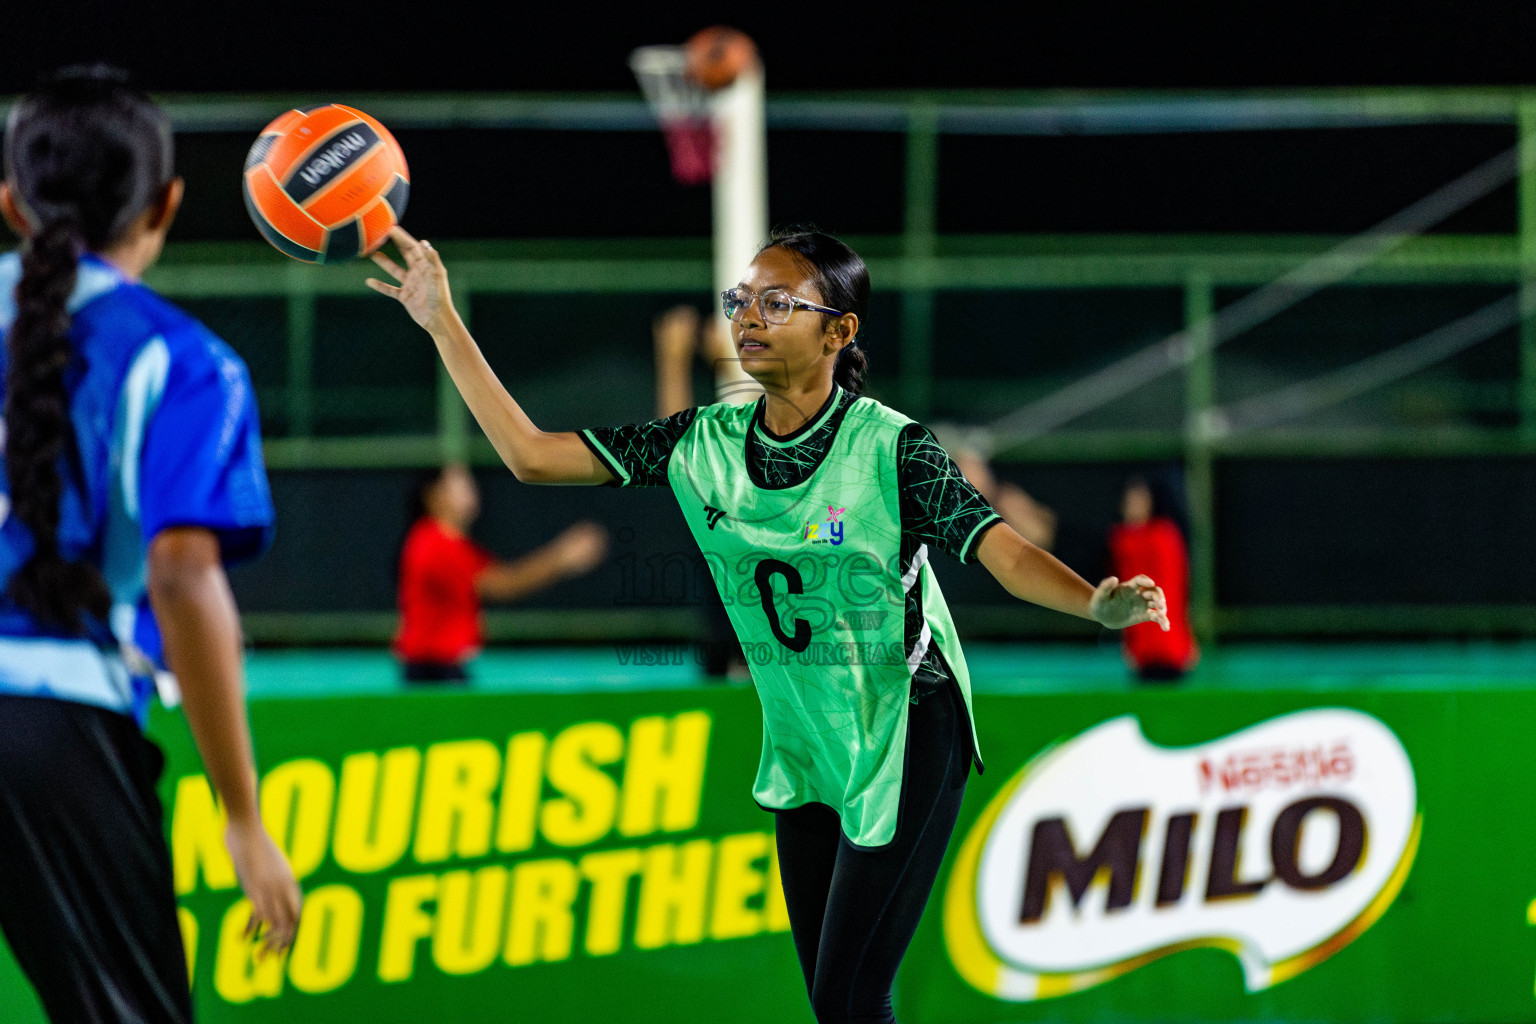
(1149, 539)
(444, 575)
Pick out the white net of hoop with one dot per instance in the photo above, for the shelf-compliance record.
(681, 106)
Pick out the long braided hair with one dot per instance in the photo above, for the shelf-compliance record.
(84, 156)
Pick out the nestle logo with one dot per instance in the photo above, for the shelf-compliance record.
(1279, 768)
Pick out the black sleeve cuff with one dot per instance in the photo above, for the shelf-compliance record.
(968, 550)
(620, 478)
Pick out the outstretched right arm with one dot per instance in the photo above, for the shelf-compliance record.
(535, 456)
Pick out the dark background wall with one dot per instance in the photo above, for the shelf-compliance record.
(451, 44)
(587, 184)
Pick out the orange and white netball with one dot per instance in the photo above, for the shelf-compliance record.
(326, 184)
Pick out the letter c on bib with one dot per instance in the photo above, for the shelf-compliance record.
(765, 569)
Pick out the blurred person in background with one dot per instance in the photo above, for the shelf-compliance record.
(444, 575)
(680, 335)
(1150, 539)
(1034, 522)
(132, 476)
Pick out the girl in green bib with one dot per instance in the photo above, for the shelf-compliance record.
(816, 509)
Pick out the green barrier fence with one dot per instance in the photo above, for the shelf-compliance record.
(1322, 842)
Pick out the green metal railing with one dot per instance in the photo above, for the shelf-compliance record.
(919, 263)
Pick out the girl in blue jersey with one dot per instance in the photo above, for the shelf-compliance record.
(132, 475)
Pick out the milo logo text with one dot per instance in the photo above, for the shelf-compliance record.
(1120, 853)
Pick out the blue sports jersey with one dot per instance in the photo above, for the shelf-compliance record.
(168, 435)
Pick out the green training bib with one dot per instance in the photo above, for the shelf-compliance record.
(811, 580)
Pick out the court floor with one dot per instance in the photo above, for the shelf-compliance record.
(995, 668)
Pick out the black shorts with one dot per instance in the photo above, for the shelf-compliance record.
(88, 904)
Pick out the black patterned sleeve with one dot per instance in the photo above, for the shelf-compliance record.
(637, 454)
(938, 504)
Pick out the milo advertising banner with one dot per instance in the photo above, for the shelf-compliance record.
(1194, 855)
(1240, 856)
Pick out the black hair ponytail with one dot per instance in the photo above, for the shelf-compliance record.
(84, 156)
(851, 367)
(39, 435)
(843, 281)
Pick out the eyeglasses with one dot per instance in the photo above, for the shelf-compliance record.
(776, 304)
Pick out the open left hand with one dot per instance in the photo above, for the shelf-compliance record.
(1118, 605)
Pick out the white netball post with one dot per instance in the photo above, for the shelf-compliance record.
(740, 210)
(741, 175)
(720, 136)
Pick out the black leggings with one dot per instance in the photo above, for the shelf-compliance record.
(853, 910)
(88, 906)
